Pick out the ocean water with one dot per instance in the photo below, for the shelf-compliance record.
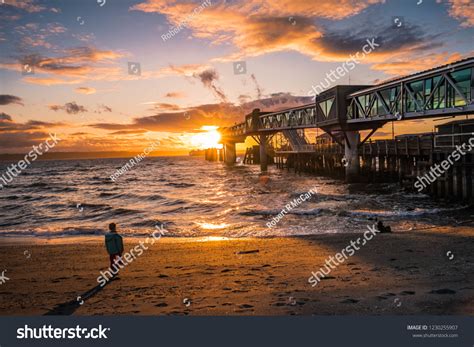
(195, 198)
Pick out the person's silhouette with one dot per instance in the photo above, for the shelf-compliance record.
(114, 246)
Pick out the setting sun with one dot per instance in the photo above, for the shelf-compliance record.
(209, 138)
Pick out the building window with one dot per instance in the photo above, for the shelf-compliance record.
(462, 79)
(326, 106)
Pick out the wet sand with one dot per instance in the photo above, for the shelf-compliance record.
(397, 273)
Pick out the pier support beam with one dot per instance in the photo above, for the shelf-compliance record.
(229, 153)
(263, 152)
(351, 154)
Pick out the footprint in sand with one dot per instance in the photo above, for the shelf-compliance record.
(349, 301)
(385, 296)
(443, 291)
(240, 291)
(464, 288)
(407, 292)
(327, 278)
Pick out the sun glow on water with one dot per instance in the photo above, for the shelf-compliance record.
(212, 226)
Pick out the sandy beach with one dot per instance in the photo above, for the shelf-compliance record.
(397, 273)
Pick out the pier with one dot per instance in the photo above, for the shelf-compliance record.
(344, 111)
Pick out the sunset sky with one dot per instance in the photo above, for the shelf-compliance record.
(82, 90)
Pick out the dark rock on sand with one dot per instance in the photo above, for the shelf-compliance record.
(383, 228)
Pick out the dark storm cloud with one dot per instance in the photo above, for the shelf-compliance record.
(4, 116)
(6, 99)
(73, 108)
(67, 65)
(22, 139)
(70, 108)
(388, 36)
(7, 124)
(209, 78)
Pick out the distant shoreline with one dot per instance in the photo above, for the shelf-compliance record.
(92, 155)
(84, 155)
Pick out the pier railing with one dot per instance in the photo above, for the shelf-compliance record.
(446, 91)
(409, 145)
(452, 140)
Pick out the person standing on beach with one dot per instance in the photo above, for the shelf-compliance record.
(114, 245)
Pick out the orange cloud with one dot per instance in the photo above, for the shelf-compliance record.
(75, 65)
(252, 30)
(84, 64)
(320, 8)
(27, 5)
(50, 81)
(175, 95)
(167, 107)
(85, 90)
(258, 27)
(462, 10)
(175, 120)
